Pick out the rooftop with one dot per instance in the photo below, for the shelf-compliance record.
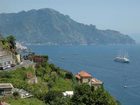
(6, 85)
(84, 74)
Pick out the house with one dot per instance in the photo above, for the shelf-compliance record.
(96, 83)
(5, 89)
(83, 77)
(37, 59)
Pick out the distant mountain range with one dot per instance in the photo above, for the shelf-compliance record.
(51, 27)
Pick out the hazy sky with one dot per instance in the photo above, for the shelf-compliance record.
(121, 15)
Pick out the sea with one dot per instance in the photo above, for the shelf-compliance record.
(121, 80)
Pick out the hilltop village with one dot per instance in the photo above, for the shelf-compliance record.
(32, 80)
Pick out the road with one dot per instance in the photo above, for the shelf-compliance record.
(24, 63)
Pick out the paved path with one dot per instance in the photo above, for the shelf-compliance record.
(24, 63)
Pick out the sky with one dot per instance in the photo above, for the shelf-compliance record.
(120, 15)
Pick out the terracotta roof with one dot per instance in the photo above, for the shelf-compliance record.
(84, 74)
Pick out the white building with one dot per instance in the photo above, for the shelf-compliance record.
(6, 60)
(5, 89)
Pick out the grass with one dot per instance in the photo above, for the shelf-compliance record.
(63, 85)
(27, 101)
(49, 77)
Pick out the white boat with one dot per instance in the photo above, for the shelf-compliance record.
(122, 59)
(124, 86)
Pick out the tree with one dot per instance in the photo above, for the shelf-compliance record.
(51, 96)
(16, 94)
(53, 67)
(45, 57)
(86, 95)
(69, 75)
(57, 98)
(9, 44)
(82, 95)
(11, 40)
(61, 101)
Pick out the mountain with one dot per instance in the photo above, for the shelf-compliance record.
(136, 37)
(51, 27)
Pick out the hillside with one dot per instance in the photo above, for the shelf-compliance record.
(51, 82)
(51, 27)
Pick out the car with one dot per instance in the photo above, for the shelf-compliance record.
(13, 65)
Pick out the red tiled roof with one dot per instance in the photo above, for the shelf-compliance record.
(84, 74)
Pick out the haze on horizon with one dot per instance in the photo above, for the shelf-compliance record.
(120, 15)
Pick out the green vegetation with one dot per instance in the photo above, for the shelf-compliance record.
(16, 95)
(49, 77)
(52, 81)
(27, 101)
(8, 43)
(87, 95)
(83, 95)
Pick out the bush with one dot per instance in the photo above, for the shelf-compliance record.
(16, 94)
(69, 75)
(52, 95)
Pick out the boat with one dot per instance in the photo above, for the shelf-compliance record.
(124, 86)
(122, 59)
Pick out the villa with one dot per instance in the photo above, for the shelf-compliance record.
(84, 77)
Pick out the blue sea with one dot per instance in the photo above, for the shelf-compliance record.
(98, 60)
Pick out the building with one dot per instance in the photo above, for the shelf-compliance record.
(96, 83)
(37, 58)
(83, 77)
(18, 56)
(6, 60)
(5, 89)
